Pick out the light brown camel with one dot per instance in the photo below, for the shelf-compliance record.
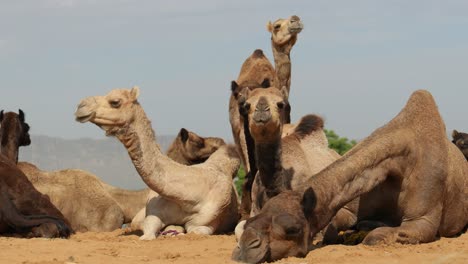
(23, 210)
(256, 72)
(412, 182)
(188, 148)
(82, 197)
(461, 141)
(200, 197)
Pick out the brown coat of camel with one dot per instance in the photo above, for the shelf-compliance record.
(23, 209)
(412, 182)
(200, 197)
(461, 141)
(255, 71)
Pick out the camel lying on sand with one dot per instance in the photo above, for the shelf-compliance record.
(23, 209)
(200, 197)
(255, 71)
(188, 148)
(461, 140)
(412, 182)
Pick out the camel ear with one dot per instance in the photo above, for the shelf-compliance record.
(1, 116)
(266, 83)
(21, 115)
(234, 88)
(269, 26)
(309, 201)
(135, 92)
(454, 133)
(184, 134)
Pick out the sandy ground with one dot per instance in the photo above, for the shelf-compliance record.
(119, 247)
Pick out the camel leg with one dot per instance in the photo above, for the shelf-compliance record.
(421, 230)
(200, 230)
(151, 226)
(343, 220)
(10, 214)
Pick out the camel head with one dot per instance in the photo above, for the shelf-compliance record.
(13, 128)
(285, 30)
(279, 231)
(112, 112)
(461, 141)
(265, 109)
(197, 149)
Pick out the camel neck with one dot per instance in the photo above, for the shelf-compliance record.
(152, 165)
(270, 169)
(282, 58)
(11, 151)
(356, 173)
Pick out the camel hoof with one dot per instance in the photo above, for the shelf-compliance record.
(147, 237)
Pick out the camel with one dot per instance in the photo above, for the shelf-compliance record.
(188, 148)
(412, 182)
(461, 141)
(200, 197)
(254, 73)
(98, 206)
(282, 162)
(23, 209)
(12, 140)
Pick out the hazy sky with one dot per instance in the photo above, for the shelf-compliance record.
(355, 63)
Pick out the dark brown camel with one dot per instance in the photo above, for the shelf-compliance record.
(23, 210)
(461, 141)
(412, 182)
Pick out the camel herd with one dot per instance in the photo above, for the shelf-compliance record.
(405, 183)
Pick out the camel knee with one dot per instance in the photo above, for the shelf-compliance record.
(151, 225)
(200, 230)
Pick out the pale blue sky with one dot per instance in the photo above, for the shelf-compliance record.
(355, 63)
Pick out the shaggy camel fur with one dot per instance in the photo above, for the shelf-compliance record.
(412, 182)
(461, 141)
(187, 148)
(23, 209)
(200, 197)
(255, 71)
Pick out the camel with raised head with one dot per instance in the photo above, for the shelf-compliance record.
(460, 139)
(257, 71)
(411, 180)
(199, 197)
(23, 209)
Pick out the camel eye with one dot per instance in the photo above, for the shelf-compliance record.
(277, 26)
(247, 106)
(280, 105)
(115, 103)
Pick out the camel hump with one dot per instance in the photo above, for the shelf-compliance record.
(308, 124)
(258, 53)
(421, 108)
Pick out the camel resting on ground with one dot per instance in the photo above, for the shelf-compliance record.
(200, 197)
(461, 141)
(23, 209)
(187, 148)
(412, 182)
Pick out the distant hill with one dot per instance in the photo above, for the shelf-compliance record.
(106, 158)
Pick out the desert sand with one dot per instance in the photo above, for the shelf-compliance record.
(123, 247)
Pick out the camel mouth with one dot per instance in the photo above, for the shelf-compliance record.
(296, 28)
(83, 118)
